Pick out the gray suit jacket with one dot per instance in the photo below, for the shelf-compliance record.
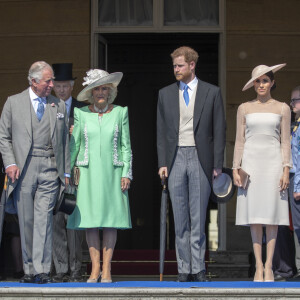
(209, 126)
(16, 133)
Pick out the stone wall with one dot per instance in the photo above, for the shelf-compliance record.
(52, 30)
(257, 32)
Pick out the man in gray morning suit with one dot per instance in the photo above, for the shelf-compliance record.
(190, 145)
(67, 250)
(34, 143)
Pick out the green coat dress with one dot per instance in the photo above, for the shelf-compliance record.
(100, 147)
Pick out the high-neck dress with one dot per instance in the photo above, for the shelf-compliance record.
(262, 149)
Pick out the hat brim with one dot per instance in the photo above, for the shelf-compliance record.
(274, 69)
(113, 78)
(224, 198)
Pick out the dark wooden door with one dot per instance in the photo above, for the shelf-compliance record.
(147, 66)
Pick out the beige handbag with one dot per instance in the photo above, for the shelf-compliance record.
(244, 178)
(76, 176)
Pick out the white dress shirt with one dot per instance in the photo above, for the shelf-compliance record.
(35, 103)
(192, 85)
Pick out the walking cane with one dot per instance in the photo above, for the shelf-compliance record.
(163, 225)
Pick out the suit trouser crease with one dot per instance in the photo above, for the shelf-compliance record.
(295, 210)
(35, 196)
(189, 192)
(67, 243)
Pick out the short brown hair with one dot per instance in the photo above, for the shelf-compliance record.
(188, 53)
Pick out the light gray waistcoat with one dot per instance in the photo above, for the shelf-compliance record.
(186, 130)
(41, 133)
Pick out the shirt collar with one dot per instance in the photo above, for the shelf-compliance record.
(33, 96)
(192, 84)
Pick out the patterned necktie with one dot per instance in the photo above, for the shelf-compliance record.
(186, 95)
(40, 109)
(294, 128)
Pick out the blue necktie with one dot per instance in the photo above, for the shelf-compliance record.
(40, 109)
(186, 95)
(67, 109)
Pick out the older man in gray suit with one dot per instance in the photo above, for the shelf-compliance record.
(190, 145)
(67, 250)
(35, 151)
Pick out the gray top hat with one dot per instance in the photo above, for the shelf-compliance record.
(223, 187)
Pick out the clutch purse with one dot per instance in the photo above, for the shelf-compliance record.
(76, 176)
(244, 178)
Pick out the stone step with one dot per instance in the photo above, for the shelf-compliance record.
(209, 293)
(229, 257)
(220, 264)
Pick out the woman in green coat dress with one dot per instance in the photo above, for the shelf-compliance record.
(100, 148)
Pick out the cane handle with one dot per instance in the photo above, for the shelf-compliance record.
(163, 180)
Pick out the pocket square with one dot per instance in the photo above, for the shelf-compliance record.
(60, 116)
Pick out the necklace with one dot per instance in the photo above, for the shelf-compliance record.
(100, 111)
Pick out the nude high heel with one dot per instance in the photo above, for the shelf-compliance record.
(106, 281)
(94, 280)
(259, 274)
(269, 276)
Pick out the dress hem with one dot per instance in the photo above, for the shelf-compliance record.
(263, 223)
(99, 227)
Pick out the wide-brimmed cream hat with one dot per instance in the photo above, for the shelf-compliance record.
(223, 188)
(259, 71)
(97, 77)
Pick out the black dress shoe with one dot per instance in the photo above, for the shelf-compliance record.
(27, 278)
(200, 277)
(60, 277)
(18, 275)
(296, 277)
(75, 277)
(183, 277)
(278, 277)
(42, 278)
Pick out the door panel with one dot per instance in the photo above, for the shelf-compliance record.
(147, 66)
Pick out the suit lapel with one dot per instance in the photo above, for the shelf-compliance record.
(201, 95)
(72, 108)
(52, 108)
(174, 105)
(26, 113)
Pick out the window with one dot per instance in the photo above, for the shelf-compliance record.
(191, 12)
(125, 12)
